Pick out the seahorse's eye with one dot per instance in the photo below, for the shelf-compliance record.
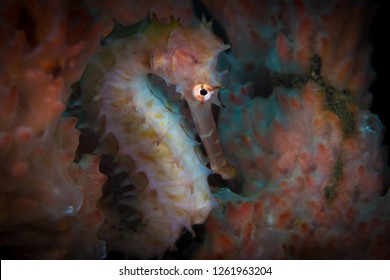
(203, 92)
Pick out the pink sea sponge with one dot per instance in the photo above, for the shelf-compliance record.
(309, 158)
(309, 190)
(341, 41)
(45, 206)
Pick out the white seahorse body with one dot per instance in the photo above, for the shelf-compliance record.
(167, 183)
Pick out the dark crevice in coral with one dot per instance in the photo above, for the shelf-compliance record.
(385, 190)
(330, 191)
(80, 18)
(55, 69)
(201, 11)
(27, 24)
(290, 80)
(315, 67)
(338, 104)
(186, 244)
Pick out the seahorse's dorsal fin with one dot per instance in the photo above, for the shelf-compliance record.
(122, 31)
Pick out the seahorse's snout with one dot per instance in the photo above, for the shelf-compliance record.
(207, 130)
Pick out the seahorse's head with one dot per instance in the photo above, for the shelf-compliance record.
(188, 61)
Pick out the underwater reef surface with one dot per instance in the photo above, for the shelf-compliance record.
(128, 140)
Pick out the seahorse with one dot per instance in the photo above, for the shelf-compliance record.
(166, 189)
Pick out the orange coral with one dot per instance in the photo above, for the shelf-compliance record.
(44, 203)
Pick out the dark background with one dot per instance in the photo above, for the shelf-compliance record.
(378, 35)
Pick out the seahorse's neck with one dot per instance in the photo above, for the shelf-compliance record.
(186, 58)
